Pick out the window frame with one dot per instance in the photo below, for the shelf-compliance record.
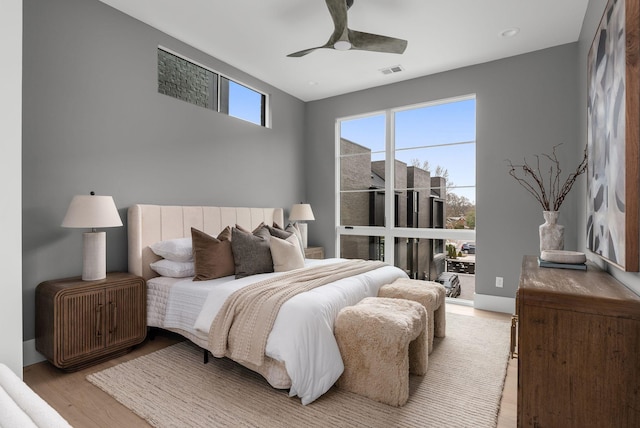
(389, 231)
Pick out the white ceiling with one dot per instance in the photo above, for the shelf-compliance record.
(256, 35)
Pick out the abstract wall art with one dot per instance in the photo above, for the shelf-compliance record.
(613, 183)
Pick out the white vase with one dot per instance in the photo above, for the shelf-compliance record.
(551, 233)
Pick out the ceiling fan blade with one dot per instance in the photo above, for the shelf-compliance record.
(376, 43)
(338, 11)
(304, 52)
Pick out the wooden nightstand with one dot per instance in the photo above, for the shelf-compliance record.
(79, 323)
(314, 252)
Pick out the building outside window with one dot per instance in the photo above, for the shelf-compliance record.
(428, 151)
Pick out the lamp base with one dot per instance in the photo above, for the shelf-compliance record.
(94, 256)
(302, 227)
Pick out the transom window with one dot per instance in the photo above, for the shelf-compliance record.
(185, 80)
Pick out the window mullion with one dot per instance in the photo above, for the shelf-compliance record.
(389, 206)
(338, 166)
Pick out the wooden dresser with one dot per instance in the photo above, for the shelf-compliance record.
(82, 322)
(578, 349)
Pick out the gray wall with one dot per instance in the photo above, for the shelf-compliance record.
(525, 105)
(93, 120)
(591, 21)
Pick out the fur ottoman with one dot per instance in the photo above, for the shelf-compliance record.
(430, 294)
(381, 341)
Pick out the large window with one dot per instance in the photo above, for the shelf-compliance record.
(406, 185)
(187, 81)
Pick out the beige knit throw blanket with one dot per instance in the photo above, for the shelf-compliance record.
(242, 326)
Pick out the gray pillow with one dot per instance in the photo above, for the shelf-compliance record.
(278, 233)
(251, 252)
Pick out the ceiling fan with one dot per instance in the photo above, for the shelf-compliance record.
(344, 39)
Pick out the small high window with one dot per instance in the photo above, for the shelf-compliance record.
(187, 81)
(242, 102)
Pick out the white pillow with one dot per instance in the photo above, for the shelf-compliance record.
(286, 254)
(178, 250)
(173, 269)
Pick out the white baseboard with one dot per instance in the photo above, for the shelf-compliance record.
(495, 303)
(456, 301)
(29, 353)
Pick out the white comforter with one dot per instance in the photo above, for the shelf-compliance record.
(302, 336)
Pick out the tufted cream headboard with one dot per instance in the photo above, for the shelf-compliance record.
(152, 223)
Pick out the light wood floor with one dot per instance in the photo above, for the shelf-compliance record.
(84, 405)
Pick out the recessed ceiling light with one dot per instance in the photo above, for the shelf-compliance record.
(312, 82)
(510, 32)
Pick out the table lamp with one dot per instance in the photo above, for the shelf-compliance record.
(302, 212)
(91, 212)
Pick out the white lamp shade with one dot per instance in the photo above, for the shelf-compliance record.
(91, 211)
(301, 212)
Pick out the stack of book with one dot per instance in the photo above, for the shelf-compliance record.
(562, 259)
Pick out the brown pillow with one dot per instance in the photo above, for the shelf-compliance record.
(225, 235)
(212, 256)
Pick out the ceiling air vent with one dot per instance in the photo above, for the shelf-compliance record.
(391, 70)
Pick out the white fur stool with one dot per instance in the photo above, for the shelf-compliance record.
(428, 293)
(381, 341)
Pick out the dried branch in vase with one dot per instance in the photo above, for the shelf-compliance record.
(546, 187)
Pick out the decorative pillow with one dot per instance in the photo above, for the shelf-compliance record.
(213, 256)
(282, 234)
(286, 253)
(258, 227)
(245, 230)
(177, 250)
(225, 235)
(251, 252)
(293, 228)
(173, 269)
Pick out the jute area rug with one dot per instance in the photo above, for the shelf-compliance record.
(173, 388)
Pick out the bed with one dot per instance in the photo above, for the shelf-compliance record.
(301, 353)
(21, 407)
